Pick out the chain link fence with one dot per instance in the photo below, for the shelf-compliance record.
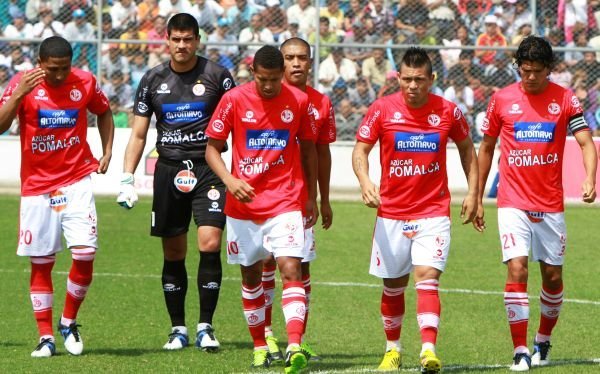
(357, 44)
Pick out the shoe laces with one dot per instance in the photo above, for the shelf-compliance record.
(175, 334)
(208, 331)
(73, 330)
(43, 343)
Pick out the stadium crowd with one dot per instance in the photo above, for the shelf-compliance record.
(352, 76)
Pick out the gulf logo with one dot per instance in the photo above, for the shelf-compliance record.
(58, 201)
(185, 181)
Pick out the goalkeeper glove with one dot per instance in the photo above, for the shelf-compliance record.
(127, 196)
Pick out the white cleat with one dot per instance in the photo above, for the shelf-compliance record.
(205, 338)
(177, 340)
(521, 362)
(46, 348)
(73, 341)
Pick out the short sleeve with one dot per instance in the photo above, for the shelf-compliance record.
(492, 123)
(98, 103)
(327, 132)
(459, 130)
(368, 131)
(307, 129)
(143, 98)
(222, 120)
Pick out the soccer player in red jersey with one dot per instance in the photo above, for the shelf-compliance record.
(297, 64)
(412, 231)
(532, 118)
(264, 200)
(51, 102)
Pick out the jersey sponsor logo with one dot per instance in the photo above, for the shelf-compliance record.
(515, 109)
(267, 139)
(434, 120)
(163, 89)
(485, 125)
(49, 143)
(524, 157)
(410, 229)
(287, 116)
(457, 113)
(214, 207)
(185, 181)
(75, 95)
(57, 119)
(536, 217)
(553, 108)
(218, 125)
(314, 111)
(177, 113)
(227, 83)
(177, 137)
(534, 132)
(365, 131)
(397, 118)
(213, 194)
(142, 107)
(198, 89)
(58, 201)
(417, 142)
(575, 102)
(41, 95)
(249, 117)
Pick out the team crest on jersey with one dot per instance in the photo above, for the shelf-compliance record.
(397, 118)
(227, 83)
(553, 108)
(185, 181)
(515, 109)
(142, 107)
(287, 116)
(199, 89)
(163, 89)
(536, 217)
(575, 101)
(410, 229)
(213, 194)
(364, 131)
(249, 117)
(75, 95)
(434, 120)
(218, 125)
(41, 95)
(58, 201)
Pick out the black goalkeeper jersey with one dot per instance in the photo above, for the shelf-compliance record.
(183, 104)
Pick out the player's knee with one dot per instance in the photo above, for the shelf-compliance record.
(83, 253)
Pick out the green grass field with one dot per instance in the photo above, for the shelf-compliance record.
(125, 323)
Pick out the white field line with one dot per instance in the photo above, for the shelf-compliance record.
(326, 284)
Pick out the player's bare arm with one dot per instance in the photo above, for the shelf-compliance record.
(28, 81)
(468, 159)
(106, 128)
(241, 190)
(484, 161)
(324, 177)
(360, 165)
(308, 153)
(136, 143)
(590, 163)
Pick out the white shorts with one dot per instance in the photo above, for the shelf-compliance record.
(544, 233)
(249, 242)
(70, 210)
(310, 245)
(399, 245)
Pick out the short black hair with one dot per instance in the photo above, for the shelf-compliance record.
(55, 46)
(183, 21)
(416, 57)
(268, 57)
(535, 49)
(296, 41)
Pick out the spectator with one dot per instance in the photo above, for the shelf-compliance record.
(376, 67)
(492, 37)
(325, 36)
(242, 76)
(158, 52)
(462, 95)
(215, 55)
(546, 22)
(522, 32)
(555, 38)
(114, 61)
(138, 66)
(339, 92)
(304, 14)
(120, 117)
(346, 120)
(293, 31)
(561, 75)
(275, 18)
(466, 67)
(167, 8)
(255, 33)
(588, 99)
(206, 12)
(20, 29)
(69, 6)
(580, 40)
(5, 76)
(222, 34)
(410, 14)
(441, 15)
(33, 9)
(132, 32)
(358, 35)
(382, 17)
(362, 96)
(354, 13)
(423, 34)
(517, 15)
(501, 73)
(118, 86)
(47, 26)
(147, 12)
(336, 66)
(123, 12)
(335, 15)
(391, 84)
(591, 67)
(572, 16)
(239, 15)
(451, 56)
(80, 29)
(108, 31)
(17, 61)
(473, 17)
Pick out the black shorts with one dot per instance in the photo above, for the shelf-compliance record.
(172, 209)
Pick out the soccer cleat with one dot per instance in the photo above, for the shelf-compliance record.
(295, 360)
(206, 340)
(177, 340)
(541, 354)
(430, 363)
(261, 359)
(46, 348)
(274, 350)
(309, 352)
(392, 360)
(521, 362)
(73, 342)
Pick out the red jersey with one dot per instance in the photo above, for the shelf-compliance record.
(324, 116)
(265, 151)
(532, 131)
(53, 124)
(412, 142)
